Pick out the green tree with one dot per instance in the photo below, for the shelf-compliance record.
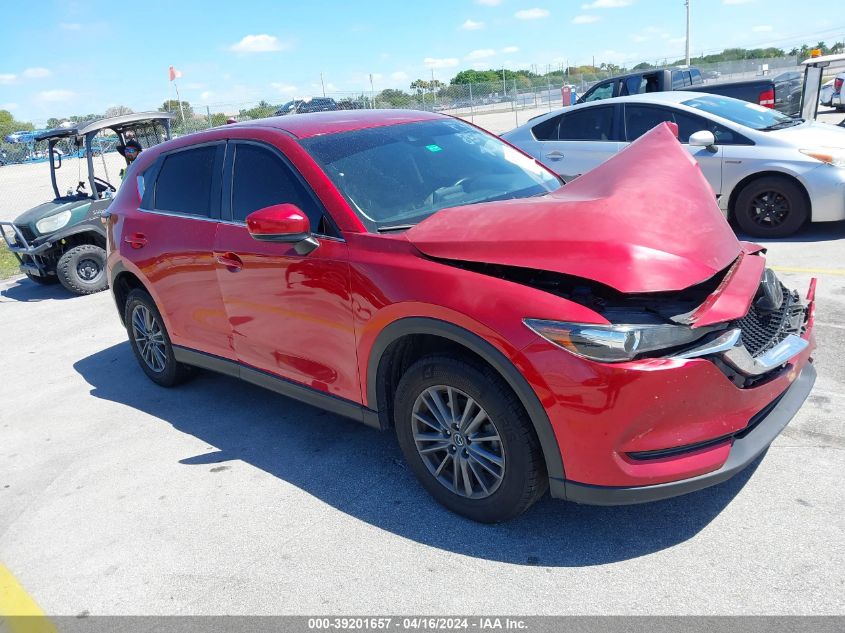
(173, 106)
(117, 110)
(8, 124)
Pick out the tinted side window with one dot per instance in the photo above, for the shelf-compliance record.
(184, 184)
(677, 80)
(547, 130)
(640, 119)
(695, 76)
(601, 91)
(587, 124)
(261, 179)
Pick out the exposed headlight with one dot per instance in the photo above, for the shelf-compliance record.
(830, 155)
(53, 222)
(614, 343)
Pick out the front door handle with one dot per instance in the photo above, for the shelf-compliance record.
(136, 240)
(554, 155)
(232, 262)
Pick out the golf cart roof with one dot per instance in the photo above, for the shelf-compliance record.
(116, 123)
(826, 60)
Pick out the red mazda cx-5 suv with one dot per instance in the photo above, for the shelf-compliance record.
(609, 340)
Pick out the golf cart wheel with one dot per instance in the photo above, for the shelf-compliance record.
(82, 269)
(467, 438)
(771, 207)
(42, 281)
(150, 341)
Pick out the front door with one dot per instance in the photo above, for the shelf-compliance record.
(290, 314)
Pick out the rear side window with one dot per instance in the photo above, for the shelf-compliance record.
(184, 183)
(587, 124)
(677, 80)
(261, 179)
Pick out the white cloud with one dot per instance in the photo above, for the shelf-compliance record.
(606, 4)
(399, 75)
(205, 96)
(531, 14)
(480, 53)
(36, 73)
(8, 106)
(510, 49)
(196, 86)
(259, 44)
(472, 25)
(440, 62)
(489, 3)
(55, 96)
(585, 19)
(762, 28)
(283, 88)
(70, 26)
(677, 40)
(639, 39)
(7, 78)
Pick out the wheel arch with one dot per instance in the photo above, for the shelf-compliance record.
(739, 186)
(122, 281)
(389, 352)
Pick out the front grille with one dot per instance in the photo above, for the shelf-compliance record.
(763, 329)
(27, 233)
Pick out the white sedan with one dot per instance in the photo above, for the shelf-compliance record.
(770, 173)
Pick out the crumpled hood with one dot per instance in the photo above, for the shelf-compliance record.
(644, 221)
(49, 208)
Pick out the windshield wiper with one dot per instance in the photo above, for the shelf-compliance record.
(396, 227)
(782, 124)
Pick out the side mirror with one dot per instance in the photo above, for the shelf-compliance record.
(282, 223)
(703, 138)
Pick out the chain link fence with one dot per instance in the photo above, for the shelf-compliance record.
(496, 106)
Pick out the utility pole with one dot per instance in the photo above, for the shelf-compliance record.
(322, 83)
(504, 87)
(686, 3)
(372, 93)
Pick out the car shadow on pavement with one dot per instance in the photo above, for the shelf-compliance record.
(361, 472)
(818, 232)
(24, 290)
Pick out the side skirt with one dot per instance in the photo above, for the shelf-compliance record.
(328, 402)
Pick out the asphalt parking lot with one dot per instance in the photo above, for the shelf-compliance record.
(120, 497)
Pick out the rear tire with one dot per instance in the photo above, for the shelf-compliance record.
(82, 269)
(43, 281)
(487, 471)
(150, 341)
(771, 207)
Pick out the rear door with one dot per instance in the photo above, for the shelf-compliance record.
(640, 118)
(290, 314)
(577, 141)
(171, 242)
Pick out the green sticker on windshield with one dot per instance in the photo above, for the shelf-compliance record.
(434, 148)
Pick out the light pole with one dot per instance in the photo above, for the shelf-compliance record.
(686, 3)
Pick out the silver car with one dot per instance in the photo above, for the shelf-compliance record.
(771, 173)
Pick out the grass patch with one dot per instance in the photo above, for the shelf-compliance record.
(8, 262)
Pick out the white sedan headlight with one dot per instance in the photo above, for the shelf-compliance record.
(53, 222)
(830, 155)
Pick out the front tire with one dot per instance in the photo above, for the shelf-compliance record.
(82, 269)
(150, 341)
(771, 207)
(468, 440)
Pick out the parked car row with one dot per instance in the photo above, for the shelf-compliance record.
(770, 173)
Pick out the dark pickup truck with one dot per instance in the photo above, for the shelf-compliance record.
(778, 92)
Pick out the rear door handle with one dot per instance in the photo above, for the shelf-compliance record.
(554, 155)
(136, 240)
(232, 262)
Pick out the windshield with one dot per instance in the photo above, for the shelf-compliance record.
(748, 114)
(398, 175)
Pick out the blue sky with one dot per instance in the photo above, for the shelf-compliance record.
(79, 56)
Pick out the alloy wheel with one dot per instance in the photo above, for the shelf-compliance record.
(149, 338)
(458, 442)
(769, 209)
